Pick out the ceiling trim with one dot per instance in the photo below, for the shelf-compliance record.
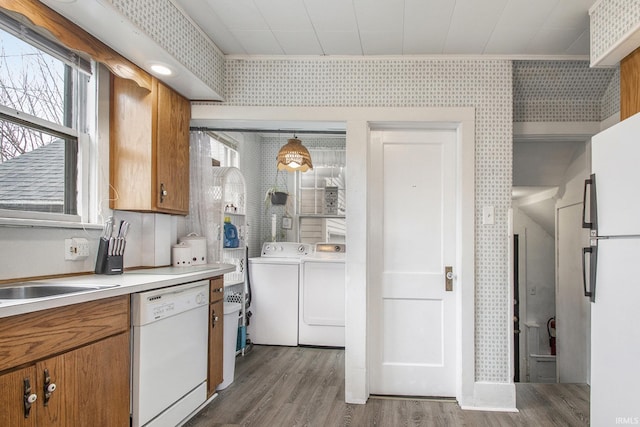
(554, 131)
(411, 57)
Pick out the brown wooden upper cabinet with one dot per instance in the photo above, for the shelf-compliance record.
(149, 156)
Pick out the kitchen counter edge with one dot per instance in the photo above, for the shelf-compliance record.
(128, 283)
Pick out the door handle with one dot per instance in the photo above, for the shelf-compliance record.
(593, 210)
(49, 387)
(448, 278)
(29, 398)
(163, 192)
(214, 319)
(593, 262)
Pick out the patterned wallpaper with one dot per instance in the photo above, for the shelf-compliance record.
(610, 21)
(561, 91)
(610, 103)
(369, 82)
(164, 23)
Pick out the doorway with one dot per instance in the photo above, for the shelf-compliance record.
(548, 177)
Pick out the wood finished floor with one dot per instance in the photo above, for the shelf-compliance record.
(302, 386)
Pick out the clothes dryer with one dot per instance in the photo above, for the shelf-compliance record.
(321, 316)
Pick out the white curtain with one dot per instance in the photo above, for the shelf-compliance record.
(328, 157)
(201, 198)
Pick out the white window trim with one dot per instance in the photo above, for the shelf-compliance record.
(85, 206)
(42, 124)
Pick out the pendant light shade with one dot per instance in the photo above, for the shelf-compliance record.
(293, 156)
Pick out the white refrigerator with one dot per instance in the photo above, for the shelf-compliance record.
(611, 270)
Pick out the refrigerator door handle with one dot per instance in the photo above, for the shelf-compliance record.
(593, 211)
(593, 262)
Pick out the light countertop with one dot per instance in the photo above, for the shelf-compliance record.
(127, 283)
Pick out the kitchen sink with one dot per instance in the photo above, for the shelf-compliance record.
(30, 291)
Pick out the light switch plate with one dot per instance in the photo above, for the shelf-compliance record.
(488, 215)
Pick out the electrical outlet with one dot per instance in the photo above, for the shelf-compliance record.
(76, 249)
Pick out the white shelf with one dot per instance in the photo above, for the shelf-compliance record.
(230, 189)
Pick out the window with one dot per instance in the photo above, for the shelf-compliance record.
(321, 198)
(43, 120)
(321, 191)
(223, 150)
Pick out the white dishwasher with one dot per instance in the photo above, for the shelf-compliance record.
(169, 353)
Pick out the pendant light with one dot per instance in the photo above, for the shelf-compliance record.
(293, 156)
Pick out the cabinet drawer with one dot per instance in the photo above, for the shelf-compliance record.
(32, 336)
(216, 285)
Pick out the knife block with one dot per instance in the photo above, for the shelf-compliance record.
(105, 263)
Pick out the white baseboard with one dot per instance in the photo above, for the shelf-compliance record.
(498, 397)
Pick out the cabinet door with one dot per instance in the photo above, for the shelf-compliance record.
(130, 161)
(12, 389)
(216, 330)
(172, 151)
(91, 385)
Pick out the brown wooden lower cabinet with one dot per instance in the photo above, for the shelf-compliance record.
(84, 386)
(12, 395)
(216, 331)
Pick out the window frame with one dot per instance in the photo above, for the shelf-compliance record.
(85, 105)
(231, 153)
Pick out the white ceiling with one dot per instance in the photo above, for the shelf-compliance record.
(543, 163)
(394, 27)
(539, 204)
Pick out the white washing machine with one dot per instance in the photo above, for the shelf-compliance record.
(274, 293)
(322, 296)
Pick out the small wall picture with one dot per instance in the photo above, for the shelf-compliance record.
(287, 223)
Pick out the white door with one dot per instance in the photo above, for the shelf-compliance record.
(413, 219)
(573, 316)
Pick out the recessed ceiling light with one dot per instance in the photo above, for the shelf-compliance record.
(163, 70)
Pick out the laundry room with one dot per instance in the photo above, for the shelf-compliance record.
(294, 228)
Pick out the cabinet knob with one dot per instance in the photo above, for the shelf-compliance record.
(214, 319)
(163, 193)
(29, 398)
(49, 387)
